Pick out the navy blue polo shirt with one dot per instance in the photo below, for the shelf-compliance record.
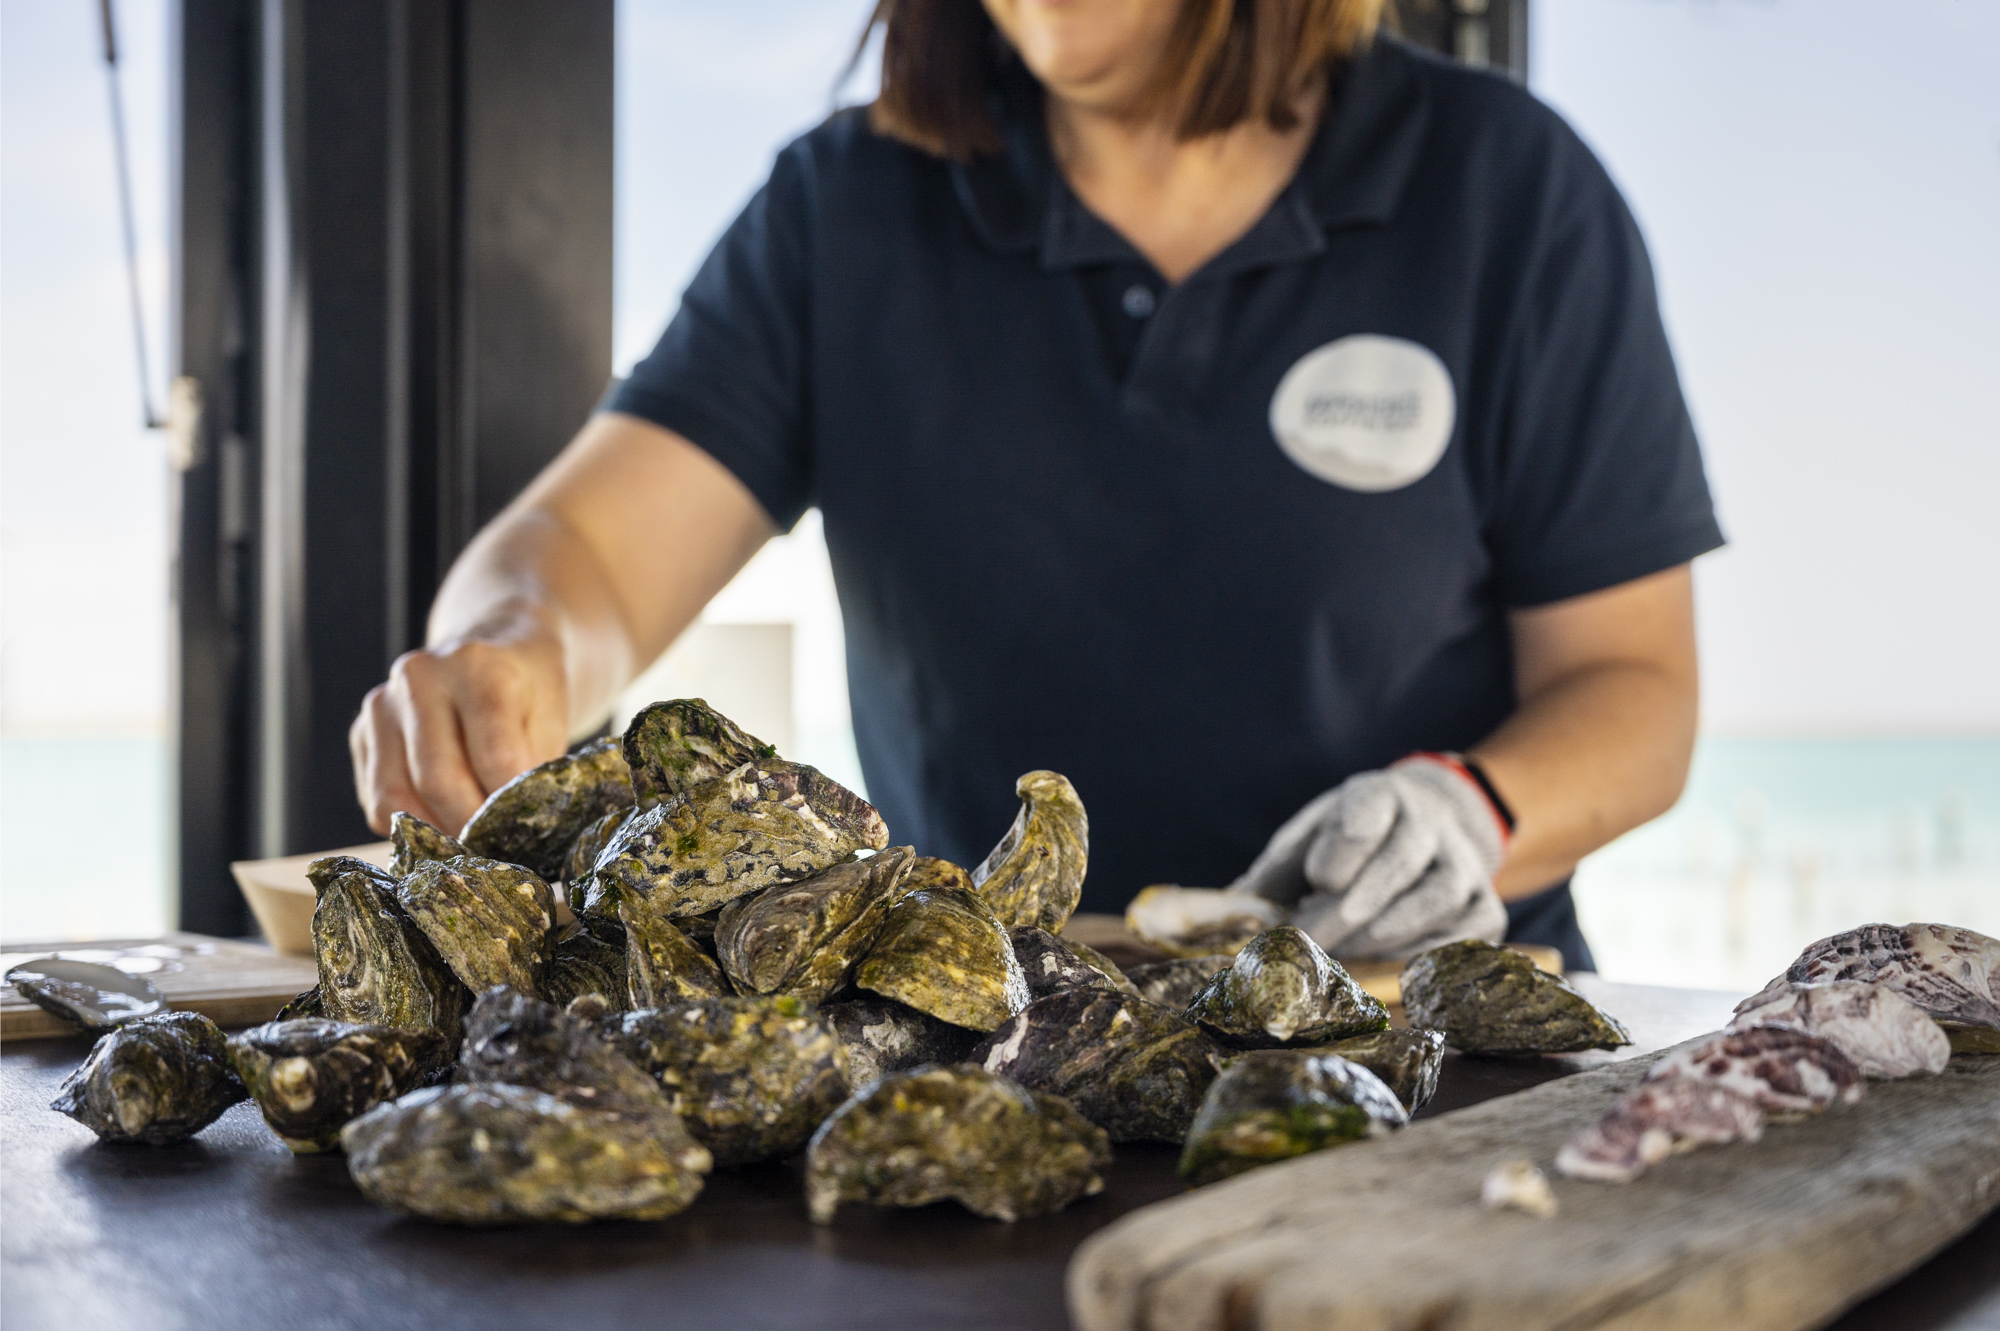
(1076, 515)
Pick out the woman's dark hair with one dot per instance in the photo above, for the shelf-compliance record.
(1227, 61)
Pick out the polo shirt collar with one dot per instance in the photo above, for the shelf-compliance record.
(1353, 175)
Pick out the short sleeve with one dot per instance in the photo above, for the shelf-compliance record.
(1599, 477)
(730, 373)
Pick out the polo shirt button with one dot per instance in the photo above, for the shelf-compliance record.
(1138, 300)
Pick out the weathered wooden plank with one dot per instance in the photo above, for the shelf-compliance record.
(1768, 1236)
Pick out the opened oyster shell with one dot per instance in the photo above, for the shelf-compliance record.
(1406, 1061)
(881, 1035)
(535, 818)
(942, 952)
(588, 958)
(412, 841)
(1273, 1104)
(1199, 921)
(960, 1134)
(1035, 874)
(156, 1080)
(86, 994)
(1493, 1000)
(514, 1038)
(489, 920)
(1052, 964)
(1953, 974)
(806, 937)
(674, 746)
(751, 1077)
(496, 1154)
(1131, 1067)
(731, 836)
(376, 967)
(662, 964)
(1173, 984)
(1283, 989)
(310, 1076)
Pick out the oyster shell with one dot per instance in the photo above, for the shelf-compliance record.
(752, 1077)
(1953, 974)
(534, 819)
(157, 1080)
(674, 746)
(942, 952)
(1053, 964)
(310, 1076)
(1493, 1000)
(1406, 1061)
(1884, 1033)
(1272, 1104)
(1035, 875)
(958, 1133)
(1283, 989)
(1199, 921)
(1131, 1067)
(90, 996)
(729, 837)
(501, 1154)
(412, 841)
(376, 967)
(805, 937)
(489, 920)
(930, 871)
(306, 1004)
(588, 958)
(584, 851)
(881, 1035)
(513, 1038)
(662, 964)
(1175, 983)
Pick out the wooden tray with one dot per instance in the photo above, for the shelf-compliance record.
(234, 984)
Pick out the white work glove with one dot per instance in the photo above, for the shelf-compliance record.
(1389, 864)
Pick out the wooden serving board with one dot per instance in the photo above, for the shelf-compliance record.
(234, 984)
(1775, 1235)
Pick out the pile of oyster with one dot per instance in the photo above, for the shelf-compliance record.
(675, 952)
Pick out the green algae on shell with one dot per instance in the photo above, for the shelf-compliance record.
(1051, 964)
(1035, 874)
(942, 952)
(1283, 989)
(310, 1076)
(412, 841)
(496, 1154)
(490, 920)
(662, 964)
(1494, 1000)
(955, 1133)
(1274, 1104)
(534, 819)
(806, 937)
(1132, 1067)
(881, 1036)
(1406, 1061)
(751, 1077)
(673, 746)
(376, 967)
(588, 958)
(154, 1080)
(1174, 983)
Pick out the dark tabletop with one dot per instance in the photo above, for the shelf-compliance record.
(232, 1231)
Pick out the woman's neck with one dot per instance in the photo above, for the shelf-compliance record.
(1180, 202)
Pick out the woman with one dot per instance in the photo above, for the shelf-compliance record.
(1263, 423)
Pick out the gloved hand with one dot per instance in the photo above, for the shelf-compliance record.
(1389, 863)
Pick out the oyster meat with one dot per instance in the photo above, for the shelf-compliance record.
(493, 1154)
(535, 818)
(805, 937)
(513, 1038)
(752, 1077)
(725, 838)
(1175, 983)
(1052, 964)
(1407, 1061)
(1131, 1067)
(489, 920)
(1778, 1069)
(412, 841)
(1655, 1121)
(1953, 974)
(1035, 874)
(1199, 921)
(674, 746)
(662, 964)
(942, 952)
(1884, 1033)
(955, 1133)
(311, 1075)
(1283, 989)
(1494, 1000)
(376, 967)
(881, 1035)
(1272, 1104)
(588, 958)
(157, 1080)
(87, 995)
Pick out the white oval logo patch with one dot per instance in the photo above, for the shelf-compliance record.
(1365, 412)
